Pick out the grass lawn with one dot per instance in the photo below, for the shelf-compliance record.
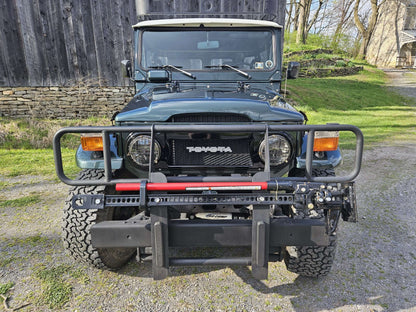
(361, 100)
(26, 146)
(17, 162)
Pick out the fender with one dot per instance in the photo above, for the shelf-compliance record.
(95, 160)
(331, 159)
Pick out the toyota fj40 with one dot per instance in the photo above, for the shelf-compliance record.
(208, 154)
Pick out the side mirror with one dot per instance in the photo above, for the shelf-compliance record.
(293, 70)
(126, 68)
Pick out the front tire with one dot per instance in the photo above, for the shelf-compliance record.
(77, 227)
(312, 261)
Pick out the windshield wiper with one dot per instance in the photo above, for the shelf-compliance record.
(190, 75)
(230, 67)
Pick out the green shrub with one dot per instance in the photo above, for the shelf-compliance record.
(340, 63)
(4, 288)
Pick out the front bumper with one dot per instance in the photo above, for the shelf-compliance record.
(208, 233)
(262, 233)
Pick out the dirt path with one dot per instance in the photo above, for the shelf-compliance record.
(402, 81)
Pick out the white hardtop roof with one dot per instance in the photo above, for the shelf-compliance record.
(207, 22)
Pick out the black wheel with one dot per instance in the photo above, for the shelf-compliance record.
(77, 225)
(312, 261)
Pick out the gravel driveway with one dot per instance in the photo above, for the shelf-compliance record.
(374, 268)
(402, 81)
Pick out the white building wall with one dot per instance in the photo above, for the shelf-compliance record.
(385, 44)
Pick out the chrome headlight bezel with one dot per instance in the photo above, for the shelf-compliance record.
(280, 145)
(138, 149)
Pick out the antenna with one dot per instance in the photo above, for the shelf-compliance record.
(287, 71)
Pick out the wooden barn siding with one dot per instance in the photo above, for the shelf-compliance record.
(59, 42)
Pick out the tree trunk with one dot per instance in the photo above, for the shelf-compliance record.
(304, 9)
(366, 32)
(363, 48)
(296, 17)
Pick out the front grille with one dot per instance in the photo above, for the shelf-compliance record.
(210, 153)
(208, 118)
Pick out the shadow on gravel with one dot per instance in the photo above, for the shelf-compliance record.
(317, 294)
(144, 268)
(333, 292)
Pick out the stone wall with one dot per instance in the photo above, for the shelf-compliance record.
(329, 72)
(63, 102)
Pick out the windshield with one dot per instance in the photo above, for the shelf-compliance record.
(207, 49)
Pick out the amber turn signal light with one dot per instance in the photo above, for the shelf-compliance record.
(326, 141)
(92, 143)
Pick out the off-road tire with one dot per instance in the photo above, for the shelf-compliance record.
(77, 226)
(312, 261)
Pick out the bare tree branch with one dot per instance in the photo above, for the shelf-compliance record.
(313, 20)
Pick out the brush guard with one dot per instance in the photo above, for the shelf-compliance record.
(262, 233)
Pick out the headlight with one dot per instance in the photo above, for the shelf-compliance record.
(279, 150)
(139, 149)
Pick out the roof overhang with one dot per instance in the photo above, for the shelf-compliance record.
(407, 36)
(206, 22)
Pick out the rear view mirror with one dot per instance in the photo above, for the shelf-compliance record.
(126, 68)
(204, 45)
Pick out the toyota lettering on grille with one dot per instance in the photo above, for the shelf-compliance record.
(209, 149)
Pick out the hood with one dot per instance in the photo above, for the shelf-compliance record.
(160, 107)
